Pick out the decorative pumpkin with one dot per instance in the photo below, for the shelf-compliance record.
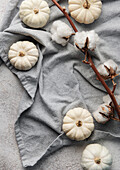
(34, 13)
(85, 11)
(102, 114)
(78, 124)
(96, 157)
(23, 55)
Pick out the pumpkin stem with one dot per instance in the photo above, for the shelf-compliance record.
(79, 123)
(21, 54)
(36, 11)
(86, 5)
(97, 160)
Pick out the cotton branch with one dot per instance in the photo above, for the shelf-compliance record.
(111, 94)
(63, 10)
(90, 62)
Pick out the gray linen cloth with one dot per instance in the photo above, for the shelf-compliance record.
(60, 81)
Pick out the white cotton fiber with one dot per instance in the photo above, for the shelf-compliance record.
(104, 69)
(61, 32)
(80, 39)
(99, 117)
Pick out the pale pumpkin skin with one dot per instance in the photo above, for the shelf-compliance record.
(78, 124)
(96, 157)
(34, 13)
(23, 55)
(85, 11)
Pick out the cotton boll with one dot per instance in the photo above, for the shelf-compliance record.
(55, 25)
(108, 100)
(111, 63)
(102, 70)
(60, 32)
(59, 40)
(99, 117)
(64, 30)
(80, 39)
(93, 39)
(108, 69)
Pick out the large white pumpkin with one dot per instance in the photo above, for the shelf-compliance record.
(96, 157)
(78, 124)
(85, 11)
(23, 55)
(34, 13)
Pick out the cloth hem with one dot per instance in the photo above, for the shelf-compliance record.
(22, 149)
(20, 143)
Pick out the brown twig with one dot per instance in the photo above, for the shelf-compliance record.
(116, 119)
(90, 62)
(66, 15)
(114, 86)
(105, 85)
(110, 117)
(85, 60)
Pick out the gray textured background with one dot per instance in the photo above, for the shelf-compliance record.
(10, 94)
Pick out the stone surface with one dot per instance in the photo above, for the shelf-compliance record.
(10, 94)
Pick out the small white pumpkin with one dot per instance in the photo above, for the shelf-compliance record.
(96, 157)
(78, 124)
(85, 11)
(23, 55)
(34, 13)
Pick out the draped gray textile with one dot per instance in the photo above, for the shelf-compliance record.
(60, 81)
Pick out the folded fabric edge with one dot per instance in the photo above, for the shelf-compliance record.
(27, 162)
(20, 143)
(57, 144)
(10, 9)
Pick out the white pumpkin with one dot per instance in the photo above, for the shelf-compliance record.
(78, 124)
(85, 11)
(96, 157)
(34, 13)
(23, 55)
